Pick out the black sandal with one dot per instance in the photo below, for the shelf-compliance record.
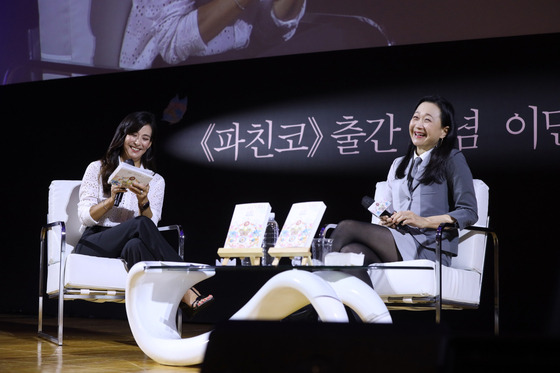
(200, 303)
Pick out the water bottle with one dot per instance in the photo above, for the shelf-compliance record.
(270, 237)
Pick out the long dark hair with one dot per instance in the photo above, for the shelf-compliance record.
(132, 123)
(435, 170)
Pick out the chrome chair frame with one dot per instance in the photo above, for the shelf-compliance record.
(64, 293)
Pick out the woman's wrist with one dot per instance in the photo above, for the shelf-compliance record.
(143, 200)
(107, 204)
(143, 206)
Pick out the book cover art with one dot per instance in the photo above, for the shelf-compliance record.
(247, 225)
(301, 224)
(126, 174)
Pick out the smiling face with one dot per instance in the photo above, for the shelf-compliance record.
(136, 144)
(425, 127)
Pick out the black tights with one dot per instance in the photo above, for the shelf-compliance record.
(374, 241)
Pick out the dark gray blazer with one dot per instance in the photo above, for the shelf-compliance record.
(455, 196)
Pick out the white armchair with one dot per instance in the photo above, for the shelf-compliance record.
(426, 285)
(69, 276)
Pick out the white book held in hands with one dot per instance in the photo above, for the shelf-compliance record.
(125, 174)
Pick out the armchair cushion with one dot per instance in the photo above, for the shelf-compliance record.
(457, 285)
(79, 273)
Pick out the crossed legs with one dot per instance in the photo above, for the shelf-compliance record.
(374, 241)
(134, 240)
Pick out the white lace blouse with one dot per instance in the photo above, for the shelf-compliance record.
(91, 193)
(170, 28)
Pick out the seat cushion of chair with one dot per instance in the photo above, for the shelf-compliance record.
(89, 272)
(458, 285)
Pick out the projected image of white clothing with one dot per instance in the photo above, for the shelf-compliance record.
(176, 30)
(74, 38)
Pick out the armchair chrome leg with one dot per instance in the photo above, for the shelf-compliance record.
(496, 285)
(40, 316)
(42, 274)
(41, 333)
(57, 340)
(438, 269)
(60, 318)
(496, 247)
(41, 279)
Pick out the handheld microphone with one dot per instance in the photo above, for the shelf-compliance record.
(119, 196)
(376, 208)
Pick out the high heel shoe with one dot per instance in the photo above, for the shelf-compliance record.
(201, 302)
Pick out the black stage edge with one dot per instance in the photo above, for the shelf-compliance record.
(257, 346)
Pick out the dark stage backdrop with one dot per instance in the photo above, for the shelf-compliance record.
(322, 126)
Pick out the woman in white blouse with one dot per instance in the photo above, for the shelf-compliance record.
(179, 29)
(128, 229)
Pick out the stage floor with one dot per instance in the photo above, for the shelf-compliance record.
(107, 345)
(90, 345)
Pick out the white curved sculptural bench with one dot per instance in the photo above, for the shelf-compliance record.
(154, 291)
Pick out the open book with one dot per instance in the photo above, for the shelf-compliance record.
(301, 224)
(126, 174)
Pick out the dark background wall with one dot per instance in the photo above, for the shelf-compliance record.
(53, 129)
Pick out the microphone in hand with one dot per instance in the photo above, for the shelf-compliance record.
(378, 209)
(119, 196)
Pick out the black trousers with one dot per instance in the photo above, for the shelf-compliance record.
(135, 240)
